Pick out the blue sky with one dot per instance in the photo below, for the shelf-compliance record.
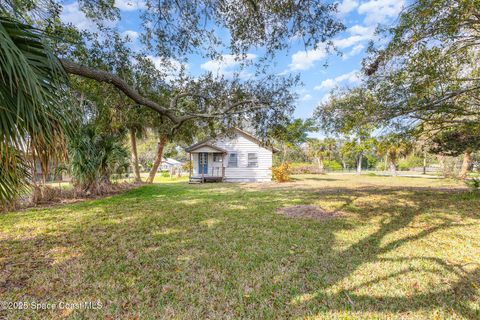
(360, 16)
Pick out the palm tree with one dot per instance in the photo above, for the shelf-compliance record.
(31, 103)
(316, 150)
(394, 146)
(95, 157)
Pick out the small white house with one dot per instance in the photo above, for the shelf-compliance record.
(237, 157)
(169, 164)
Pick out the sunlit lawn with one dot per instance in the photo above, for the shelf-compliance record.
(144, 175)
(404, 248)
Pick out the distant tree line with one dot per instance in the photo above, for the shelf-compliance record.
(356, 151)
(423, 84)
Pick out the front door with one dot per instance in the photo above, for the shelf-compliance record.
(203, 163)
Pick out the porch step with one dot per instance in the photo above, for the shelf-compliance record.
(195, 180)
(212, 179)
(205, 179)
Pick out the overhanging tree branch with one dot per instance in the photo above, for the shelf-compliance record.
(171, 112)
(104, 76)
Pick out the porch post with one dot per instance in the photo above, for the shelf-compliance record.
(223, 166)
(190, 166)
(201, 164)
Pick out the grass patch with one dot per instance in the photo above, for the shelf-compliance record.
(402, 248)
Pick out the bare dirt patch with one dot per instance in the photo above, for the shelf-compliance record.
(304, 211)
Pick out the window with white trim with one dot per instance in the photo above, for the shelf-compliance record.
(217, 157)
(232, 160)
(252, 160)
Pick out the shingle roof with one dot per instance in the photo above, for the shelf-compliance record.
(207, 143)
(204, 144)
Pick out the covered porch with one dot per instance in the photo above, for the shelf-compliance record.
(207, 163)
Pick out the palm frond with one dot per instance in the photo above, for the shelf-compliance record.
(13, 173)
(31, 96)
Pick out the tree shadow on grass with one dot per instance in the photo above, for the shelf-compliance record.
(371, 249)
(317, 178)
(216, 250)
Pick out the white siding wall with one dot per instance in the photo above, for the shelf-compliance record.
(242, 145)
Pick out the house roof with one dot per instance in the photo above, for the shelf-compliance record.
(207, 143)
(171, 161)
(258, 141)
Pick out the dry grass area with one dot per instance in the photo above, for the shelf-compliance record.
(305, 211)
(402, 248)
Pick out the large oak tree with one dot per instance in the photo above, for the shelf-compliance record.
(172, 29)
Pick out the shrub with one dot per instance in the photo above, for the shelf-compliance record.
(473, 184)
(44, 194)
(165, 174)
(332, 165)
(187, 166)
(404, 165)
(306, 167)
(410, 162)
(303, 167)
(380, 166)
(282, 172)
(94, 158)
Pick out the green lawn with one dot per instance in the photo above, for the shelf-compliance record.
(404, 248)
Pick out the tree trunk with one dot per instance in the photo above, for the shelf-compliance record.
(467, 161)
(158, 158)
(359, 164)
(441, 162)
(424, 162)
(320, 165)
(284, 157)
(135, 166)
(393, 168)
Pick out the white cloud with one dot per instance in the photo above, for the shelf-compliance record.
(131, 34)
(71, 13)
(130, 5)
(325, 98)
(379, 11)
(357, 34)
(351, 77)
(375, 11)
(348, 42)
(170, 67)
(326, 84)
(227, 64)
(306, 97)
(303, 60)
(361, 30)
(166, 64)
(347, 6)
(356, 50)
